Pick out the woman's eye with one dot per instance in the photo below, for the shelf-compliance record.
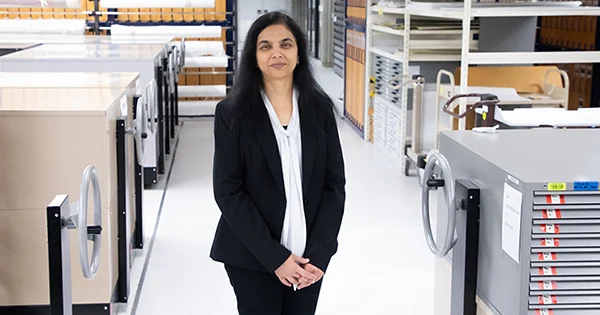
(264, 47)
(287, 45)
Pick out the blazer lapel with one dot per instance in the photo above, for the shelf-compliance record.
(266, 138)
(308, 150)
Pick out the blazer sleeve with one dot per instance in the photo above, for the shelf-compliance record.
(322, 242)
(238, 210)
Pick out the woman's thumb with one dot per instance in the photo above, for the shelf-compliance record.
(301, 260)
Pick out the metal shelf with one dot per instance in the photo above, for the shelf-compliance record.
(456, 11)
(543, 57)
(382, 10)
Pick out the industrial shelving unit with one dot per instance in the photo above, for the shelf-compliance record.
(223, 15)
(354, 64)
(99, 20)
(466, 53)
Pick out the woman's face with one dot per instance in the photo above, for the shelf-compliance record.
(276, 52)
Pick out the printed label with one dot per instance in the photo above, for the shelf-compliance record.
(547, 271)
(547, 256)
(555, 199)
(551, 214)
(550, 242)
(544, 312)
(585, 186)
(547, 299)
(557, 186)
(550, 228)
(547, 285)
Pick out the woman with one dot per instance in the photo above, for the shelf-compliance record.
(278, 175)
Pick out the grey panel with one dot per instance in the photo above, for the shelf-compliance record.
(562, 299)
(568, 199)
(566, 279)
(565, 228)
(565, 249)
(567, 312)
(566, 271)
(568, 264)
(563, 242)
(580, 284)
(567, 213)
(565, 257)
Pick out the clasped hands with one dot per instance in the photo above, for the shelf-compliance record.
(297, 270)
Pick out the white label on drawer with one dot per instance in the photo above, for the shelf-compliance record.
(550, 242)
(544, 312)
(547, 299)
(550, 228)
(555, 199)
(547, 271)
(551, 214)
(549, 285)
(547, 256)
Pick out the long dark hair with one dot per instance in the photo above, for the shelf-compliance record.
(244, 96)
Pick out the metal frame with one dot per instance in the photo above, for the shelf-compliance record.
(123, 247)
(138, 239)
(59, 257)
(464, 280)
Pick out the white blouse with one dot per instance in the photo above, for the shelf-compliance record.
(289, 142)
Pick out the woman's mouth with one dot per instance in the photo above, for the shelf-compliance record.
(278, 65)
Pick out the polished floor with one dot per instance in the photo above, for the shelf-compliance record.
(383, 265)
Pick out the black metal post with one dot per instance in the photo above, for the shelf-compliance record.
(317, 28)
(123, 247)
(466, 251)
(167, 138)
(161, 135)
(139, 190)
(177, 99)
(59, 257)
(96, 17)
(172, 96)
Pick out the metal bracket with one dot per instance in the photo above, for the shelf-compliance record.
(466, 251)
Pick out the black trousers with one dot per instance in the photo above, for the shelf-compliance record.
(260, 293)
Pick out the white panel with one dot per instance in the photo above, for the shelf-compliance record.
(42, 26)
(200, 31)
(202, 90)
(197, 108)
(72, 4)
(203, 48)
(157, 3)
(206, 62)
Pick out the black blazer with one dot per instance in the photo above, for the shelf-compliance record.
(248, 188)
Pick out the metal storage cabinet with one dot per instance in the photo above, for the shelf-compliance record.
(143, 58)
(542, 257)
(47, 138)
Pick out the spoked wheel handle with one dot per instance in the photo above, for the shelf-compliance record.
(79, 220)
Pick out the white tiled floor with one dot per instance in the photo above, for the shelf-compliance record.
(383, 265)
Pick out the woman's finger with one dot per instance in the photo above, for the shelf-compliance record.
(285, 282)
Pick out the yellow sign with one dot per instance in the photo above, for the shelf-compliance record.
(557, 186)
(380, 11)
(484, 115)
